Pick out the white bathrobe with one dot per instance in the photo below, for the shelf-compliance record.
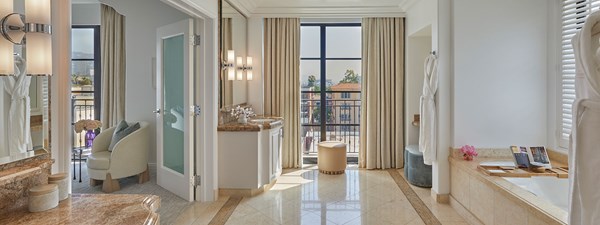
(428, 131)
(584, 152)
(17, 87)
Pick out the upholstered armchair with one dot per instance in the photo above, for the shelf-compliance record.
(129, 157)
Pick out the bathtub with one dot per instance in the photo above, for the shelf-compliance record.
(552, 189)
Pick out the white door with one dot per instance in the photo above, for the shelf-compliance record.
(175, 131)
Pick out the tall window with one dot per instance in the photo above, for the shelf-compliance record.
(85, 76)
(330, 70)
(574, 13)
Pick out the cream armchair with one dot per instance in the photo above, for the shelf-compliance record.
(129, 157)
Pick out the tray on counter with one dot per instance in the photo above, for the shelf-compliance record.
(509, 171)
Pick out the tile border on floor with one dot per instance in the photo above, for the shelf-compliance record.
(226, 210)
(416, 202)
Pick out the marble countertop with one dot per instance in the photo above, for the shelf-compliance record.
(94, 209)
(250, 126)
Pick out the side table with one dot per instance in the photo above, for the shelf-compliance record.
(78, 154)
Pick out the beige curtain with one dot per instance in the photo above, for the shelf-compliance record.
(112, 32)
(282, 82)
(227, 45)
(381, 131)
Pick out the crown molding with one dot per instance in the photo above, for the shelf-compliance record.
(407, 4)
(245, 7)
(329, 12)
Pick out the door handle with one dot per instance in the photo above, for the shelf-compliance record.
(157, 111)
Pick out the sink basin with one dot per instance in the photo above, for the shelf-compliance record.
(262, 120)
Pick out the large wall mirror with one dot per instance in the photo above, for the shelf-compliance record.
(233, 36)
(24, 115)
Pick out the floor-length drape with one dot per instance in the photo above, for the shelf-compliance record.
(381, 131)
(282, 82)
(227, 45)
(112, 32)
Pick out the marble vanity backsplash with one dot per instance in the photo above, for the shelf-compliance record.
(16, 178)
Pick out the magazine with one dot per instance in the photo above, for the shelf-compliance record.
(521, 156)
(539, 155)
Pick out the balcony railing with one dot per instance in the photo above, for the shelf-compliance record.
(342, 120)
(82, 108)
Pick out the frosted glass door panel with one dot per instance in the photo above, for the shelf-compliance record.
(173, 103)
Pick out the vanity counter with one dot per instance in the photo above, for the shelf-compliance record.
(251, 126)
(93, 209)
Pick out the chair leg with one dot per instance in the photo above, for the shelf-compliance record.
(94, 182)
(144, 176)
(109, 185)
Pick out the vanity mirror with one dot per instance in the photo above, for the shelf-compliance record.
(24, 115)
(232, 39)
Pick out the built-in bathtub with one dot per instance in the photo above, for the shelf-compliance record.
(552, 189)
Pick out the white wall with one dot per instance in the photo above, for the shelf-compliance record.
(500, 70)
(417, 48)
(85, 14)
(142, 18)
(255, 50)
(420, 15)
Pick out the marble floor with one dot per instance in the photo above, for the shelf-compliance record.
(308, 197)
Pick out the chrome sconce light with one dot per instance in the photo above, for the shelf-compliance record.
(247, 68)
(228, 65)
(32, 30)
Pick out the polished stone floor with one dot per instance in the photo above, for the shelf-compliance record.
(308, 197)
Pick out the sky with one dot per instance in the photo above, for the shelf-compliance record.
(341, 42)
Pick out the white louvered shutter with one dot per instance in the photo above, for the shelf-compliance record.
(574, 13)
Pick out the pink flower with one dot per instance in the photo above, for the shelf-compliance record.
(468, 150)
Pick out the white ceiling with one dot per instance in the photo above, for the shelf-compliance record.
(322, 8)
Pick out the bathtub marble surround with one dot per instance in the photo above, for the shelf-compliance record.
(483, 199)
(84, 209)
(16, 178)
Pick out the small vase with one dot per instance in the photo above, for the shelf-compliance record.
(89, 138)
(243, 120)
(468, 157)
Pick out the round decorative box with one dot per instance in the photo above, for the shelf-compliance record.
(43, 197)
(60, 179)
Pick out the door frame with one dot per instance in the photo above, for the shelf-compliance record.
(206, 96)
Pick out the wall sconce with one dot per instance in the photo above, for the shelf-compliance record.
(32, 30)
(228, 65)
(244, 68)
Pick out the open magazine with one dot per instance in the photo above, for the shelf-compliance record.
(525, 157)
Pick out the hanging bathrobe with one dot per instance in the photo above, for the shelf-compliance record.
(428, 131)
(17, 87)
(584, 151)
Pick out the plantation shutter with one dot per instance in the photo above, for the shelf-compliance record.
(574, 13)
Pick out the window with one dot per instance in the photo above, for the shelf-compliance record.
(330, 68)
(85, 76)
(574, 13)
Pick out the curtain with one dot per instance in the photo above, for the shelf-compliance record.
(227, 45)
(381, 131)
(112, 32)
(282, 82)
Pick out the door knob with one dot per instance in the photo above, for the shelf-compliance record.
(157, 111)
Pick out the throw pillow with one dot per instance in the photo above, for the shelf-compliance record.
(121, 132)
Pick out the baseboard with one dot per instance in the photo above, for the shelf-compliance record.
(152, 166)
(246, 192)
(464, 212)
(440, 198)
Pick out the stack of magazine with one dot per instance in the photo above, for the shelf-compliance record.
(528, 157)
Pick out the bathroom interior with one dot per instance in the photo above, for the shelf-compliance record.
(504, 77)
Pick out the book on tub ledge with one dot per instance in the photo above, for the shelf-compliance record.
(528, 157)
